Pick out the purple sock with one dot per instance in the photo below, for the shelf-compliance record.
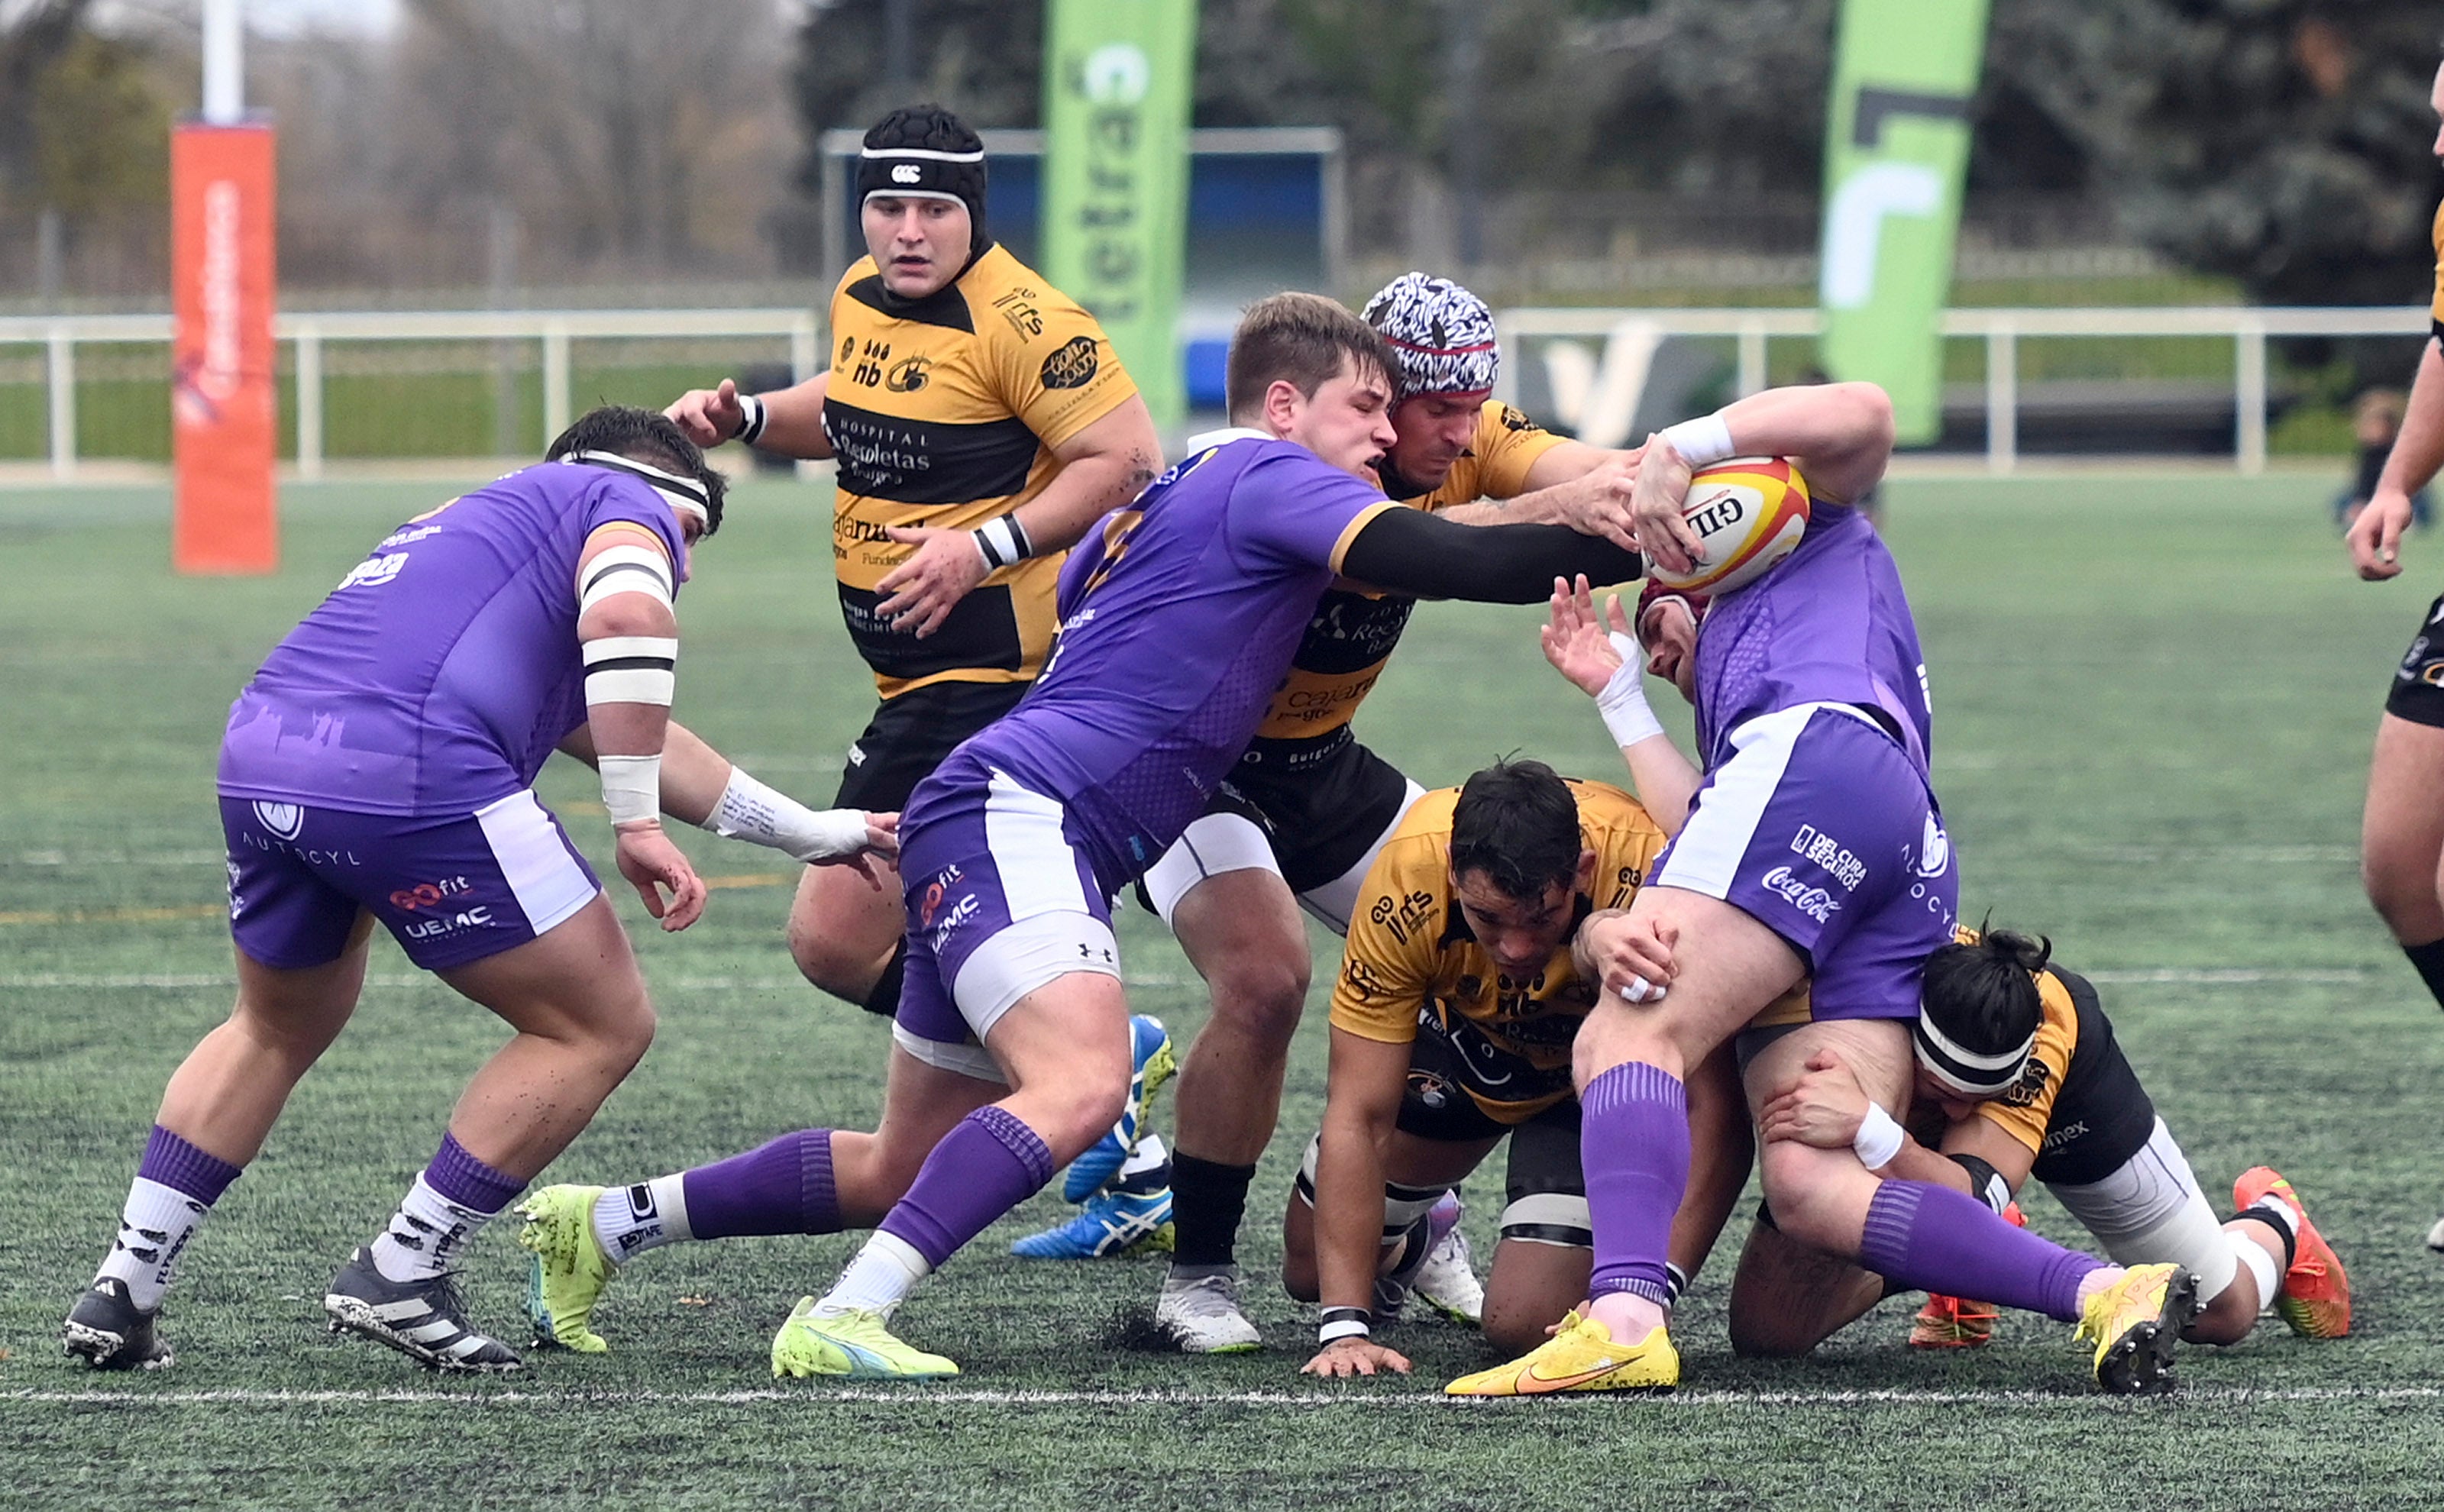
(986, 1166)
(469, 1182)
(182, 1168)
(1633, 1143)
(1924, 1237)
(782, 1188)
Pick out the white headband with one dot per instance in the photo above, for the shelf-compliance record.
(1957, 1067)
(685, 495)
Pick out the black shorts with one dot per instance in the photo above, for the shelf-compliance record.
(2418, 683)
(1543, 1149)
(1321, 803)
(910, 735)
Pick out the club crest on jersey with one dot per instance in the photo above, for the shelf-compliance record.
(285, 821)
(1935, 849)
(1072, 367)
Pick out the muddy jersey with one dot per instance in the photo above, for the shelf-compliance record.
(1412, 967)
(943, 413)
(1352, 632)
(2077, 1106)
(445, 668)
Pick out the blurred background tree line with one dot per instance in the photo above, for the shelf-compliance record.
(1571, 149)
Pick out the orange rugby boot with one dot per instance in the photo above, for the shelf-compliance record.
(1956, 1322)
(2316, 1296)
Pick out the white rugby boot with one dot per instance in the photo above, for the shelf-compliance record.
(1202, 1315)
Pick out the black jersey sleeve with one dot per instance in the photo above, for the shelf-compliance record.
(1413, 552)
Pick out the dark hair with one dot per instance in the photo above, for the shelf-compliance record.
(1302, 339)
(1518, 824)
(927, 128)
(1983, 996)
(648, 436)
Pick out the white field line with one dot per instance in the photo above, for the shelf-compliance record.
(915, 1393)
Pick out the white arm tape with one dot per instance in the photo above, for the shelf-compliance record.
(1003, 541)
(752, 812)
(631, 670)
(1702, 441)
(632, 787)
(625, 568)
(1878, 1138)
(1624, 708)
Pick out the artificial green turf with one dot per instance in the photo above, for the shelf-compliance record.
(2154, 699)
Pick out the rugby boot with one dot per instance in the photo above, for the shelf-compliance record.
(1202, 1315)
(2316, 1296)
(1443, 1276)
(1956, 1322)
(1112, 1225)
(2134, 1323)
(424, 1319)
(1581, 1356)
(854, 1345)
(570, 1268)
(1152, 1063)
(109, 1332)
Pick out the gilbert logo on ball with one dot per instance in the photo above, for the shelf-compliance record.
(1749, 513)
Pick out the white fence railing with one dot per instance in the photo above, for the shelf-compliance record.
(1629, 338)
(307, 332)
(1627, 335)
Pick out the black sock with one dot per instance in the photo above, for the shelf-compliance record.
(2429, 959)
(1207, 1199)
(884, 999)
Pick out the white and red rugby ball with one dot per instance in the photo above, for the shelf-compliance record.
(1749, 513)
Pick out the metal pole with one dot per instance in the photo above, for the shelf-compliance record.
(62, 402)
(50, 254)
(806, 359)
(224, 62)
(310, 402)
(1752, 379)
(555, 378)
(2002, 397)
(2248, 397)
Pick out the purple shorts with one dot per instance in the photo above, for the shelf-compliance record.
(1821, 829)
(1000, 902)
(452, 890)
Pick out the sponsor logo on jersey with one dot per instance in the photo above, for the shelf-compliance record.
(2031, 1085)
(374, 572)
(908, 376)
(1072, 367)
(1815, 902)
(429, 894)
(479, 917)
(1831, 854)
(2057, 1138)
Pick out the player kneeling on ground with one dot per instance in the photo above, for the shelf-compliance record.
(1451, 1024)
(379, 766)
(2019, 1059)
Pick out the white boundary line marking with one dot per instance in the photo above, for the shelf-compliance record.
(31, 980)
(915, 1393)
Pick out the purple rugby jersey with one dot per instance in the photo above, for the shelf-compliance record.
(1178, 619)
(445, 668)
(1830, 624)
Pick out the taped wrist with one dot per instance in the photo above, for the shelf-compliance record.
(1344, 1322)
(1986, 1183)
(1003, 542)
(1878, 1138)
(631, 670)
(632, 787)
(751, 416)
(1624, 708)
(1702, 441)
(759, 815)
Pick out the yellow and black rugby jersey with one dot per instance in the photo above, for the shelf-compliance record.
(1352, 632)
(1411, 966)
(943, 413)
(2435, 305)
(2077, 1107)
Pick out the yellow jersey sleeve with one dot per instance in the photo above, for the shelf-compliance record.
(1507, 444)
(1053, 364)
(2026, 1110)
(1387, 964)
(2435, 305)
(1624, 836)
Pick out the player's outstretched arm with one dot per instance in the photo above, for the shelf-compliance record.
(1573, 483)
(1361, 1105)
(1602, 660)
(629, 638)
(1410, 551)
(2374, 537)
(786, 422)
(702, 788)
(1102, 467)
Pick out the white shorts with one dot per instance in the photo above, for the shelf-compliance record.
(2151, 1211)
(1223, 841)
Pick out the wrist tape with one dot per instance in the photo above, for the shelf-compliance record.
(1878, 1138)
(752, 417)
(1704, 440)
(632, 787)
(1003, 542)
(1624, 708)
(752, 812)
(1343, 1322)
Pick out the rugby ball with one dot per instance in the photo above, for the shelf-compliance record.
(1749, 513)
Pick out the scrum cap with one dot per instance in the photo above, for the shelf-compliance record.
(924, 151)
(1441, 336)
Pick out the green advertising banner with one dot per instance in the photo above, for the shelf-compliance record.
(1896, 151)
(1119, 76)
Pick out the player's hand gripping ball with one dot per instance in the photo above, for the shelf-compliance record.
(1749, 513)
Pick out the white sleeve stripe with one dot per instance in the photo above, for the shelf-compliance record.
(664, 649)
(624, 569)
(631, 685)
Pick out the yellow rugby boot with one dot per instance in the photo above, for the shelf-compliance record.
(570, 1269)
(2316, 1296)
(2134, 1325)
(854, 1345)
(1581, 1356)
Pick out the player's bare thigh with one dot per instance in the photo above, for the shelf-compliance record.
(843, 927)
(2402, 834)
(1730, 965)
